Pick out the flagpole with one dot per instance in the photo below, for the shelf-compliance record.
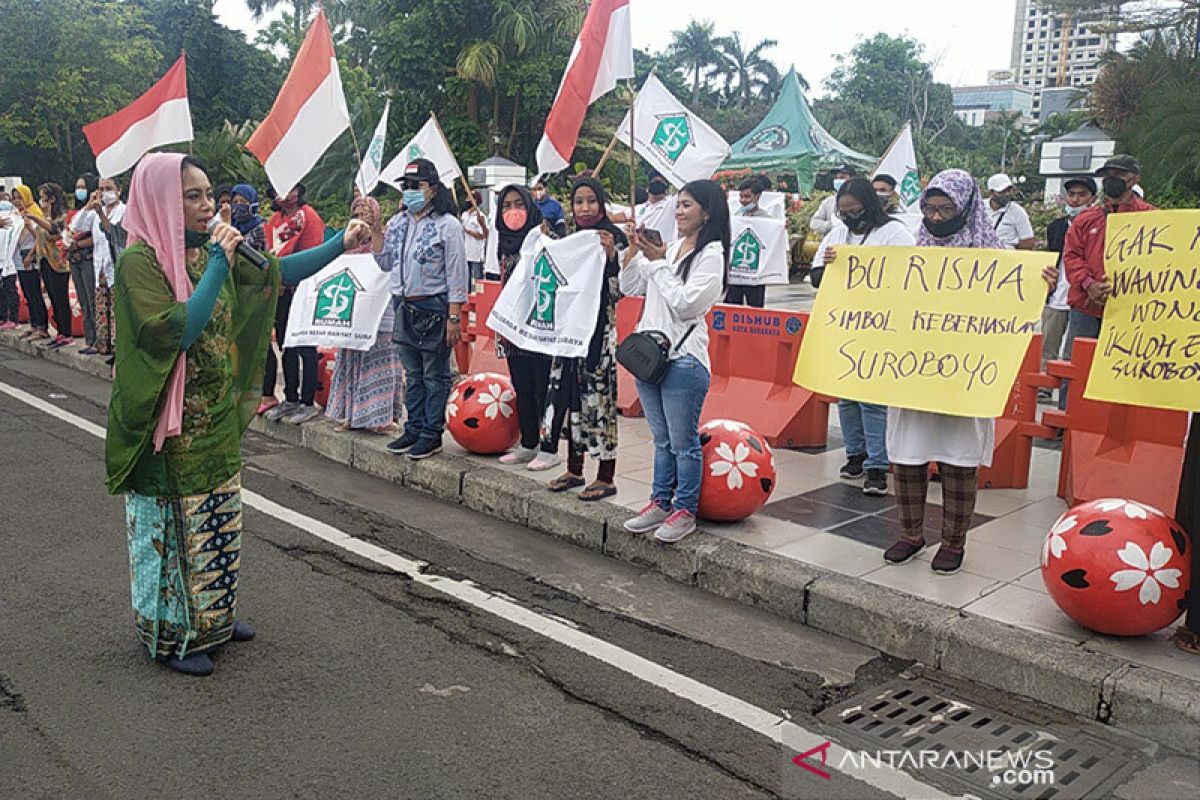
(604, 158)
(354, 139)
(462, 178)
(632, 154)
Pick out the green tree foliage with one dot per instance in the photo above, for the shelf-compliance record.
(63, 65)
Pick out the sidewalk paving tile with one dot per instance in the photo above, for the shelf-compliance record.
(1028, 609)
(916, 578)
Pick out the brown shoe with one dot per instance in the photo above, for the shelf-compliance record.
(903, 551)
(947, 560)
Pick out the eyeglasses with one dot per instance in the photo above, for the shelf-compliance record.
(939, 210)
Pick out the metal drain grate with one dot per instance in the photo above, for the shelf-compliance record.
(917, 717)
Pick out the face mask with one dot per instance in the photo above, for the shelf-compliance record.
(1115, 187)
(1074, 212)
(943, 228)
(241, 212)
(658, 187)
(1000, 200)
(746, 209)
(856, 224)
(515, 218)
(5, 206)
(884, 199)
(586, 221)
(193, 238)
(414, 200)
(81, 195)
(838, 183)
(108, 198)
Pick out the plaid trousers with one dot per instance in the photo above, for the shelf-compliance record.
(960, 485)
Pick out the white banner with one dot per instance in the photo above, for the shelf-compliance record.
(428, 143)
(368, 173)
(678, 143)
(550, 303)
(900, 161)
(340, 306)
(759, 254)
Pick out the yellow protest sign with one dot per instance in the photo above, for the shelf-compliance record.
(937, 329)
(1149, 348)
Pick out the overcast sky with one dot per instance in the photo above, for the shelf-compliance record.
(964, 39)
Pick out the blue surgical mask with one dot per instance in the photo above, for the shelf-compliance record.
(81, 195)
(838, 183)
(5, 206)
(414, 200)
(1074, 212)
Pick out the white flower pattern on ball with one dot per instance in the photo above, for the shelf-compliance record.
(1146, 572)
(1055, 545)
(732, 464)
(1131, 509)
(452, 404)
(497, 401)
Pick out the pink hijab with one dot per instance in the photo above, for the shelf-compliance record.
(154, 215)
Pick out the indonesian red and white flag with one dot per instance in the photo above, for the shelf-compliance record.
(309, 113)
(603, 55)
(160, 116)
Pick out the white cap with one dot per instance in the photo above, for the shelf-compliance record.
(999, 182)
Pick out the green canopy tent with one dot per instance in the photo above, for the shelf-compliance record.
(789, 139)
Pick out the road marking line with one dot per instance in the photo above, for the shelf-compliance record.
(732, 708)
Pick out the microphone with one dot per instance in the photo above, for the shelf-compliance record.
(244, 250)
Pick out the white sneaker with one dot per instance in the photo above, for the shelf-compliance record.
(647, 519)
(543, 462)
(676, 527)
(518, 455)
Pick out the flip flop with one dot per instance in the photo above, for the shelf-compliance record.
(564, 482)
(1187, 641)
(597, 491)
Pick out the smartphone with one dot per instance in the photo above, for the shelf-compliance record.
(652, 236)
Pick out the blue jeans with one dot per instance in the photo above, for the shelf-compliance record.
(864, 427)
(673, 411)
(420, 334)
(1078, 324)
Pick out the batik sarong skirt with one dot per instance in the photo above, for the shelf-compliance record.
(184, 556)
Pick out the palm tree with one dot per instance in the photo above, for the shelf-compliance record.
(301, 11)
(694, 49)
(744, 68)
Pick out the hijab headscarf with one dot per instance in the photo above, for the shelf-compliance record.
(251, 196)
(154, 215)
(604, 223)
(367, 209)
(511, 240)
(27, 198)
(962, 189)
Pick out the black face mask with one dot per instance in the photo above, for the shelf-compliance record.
(951, 226)
(1000, 201)
(856, 224)
(1115, 187)
(193, 238)
(658, 187)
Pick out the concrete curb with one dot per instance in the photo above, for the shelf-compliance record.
(1060, 673)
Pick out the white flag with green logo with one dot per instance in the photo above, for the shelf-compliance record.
(368, 173)
(551, 300)
(429, 143)
(678, 143)
(340, 306)
(900, 161)
(758, 251)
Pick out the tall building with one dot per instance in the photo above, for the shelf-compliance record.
(1053, 51)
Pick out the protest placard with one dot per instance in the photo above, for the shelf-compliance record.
(1149, 348)
(934, 329)
(340, 306)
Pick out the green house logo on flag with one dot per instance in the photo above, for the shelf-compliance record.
(415, 152)
(547, 280)
(910, 187)
(335, 300)
(747, 252)
(672, 136)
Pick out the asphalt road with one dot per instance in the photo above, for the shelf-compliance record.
(365, 683)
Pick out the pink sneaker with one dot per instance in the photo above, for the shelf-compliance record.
(649, 518)
(8, 326)
(676, 527)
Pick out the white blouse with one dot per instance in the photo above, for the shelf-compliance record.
(672, 306)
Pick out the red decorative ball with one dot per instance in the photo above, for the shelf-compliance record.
(1117, 566)
(326, 363)
(76, 312)
(739, 471)
(482, 414)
